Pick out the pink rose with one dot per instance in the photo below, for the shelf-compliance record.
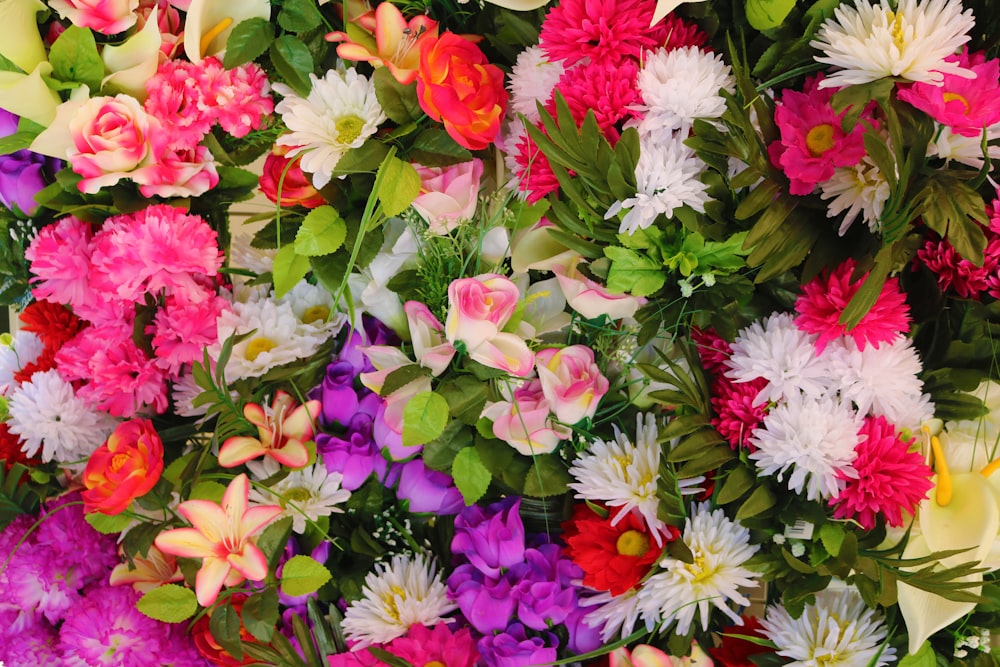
(108, 17)
(525, 423)
(479, 308)
(590, 298)
(110, 140)
(571, 381)
(448, 195)
(505, 351)
(427, 335)
(181, 172)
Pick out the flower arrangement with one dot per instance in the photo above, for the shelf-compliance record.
(626, 332)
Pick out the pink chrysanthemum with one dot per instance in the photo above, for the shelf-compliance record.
(958, 274)
(680, 33)
(891, 479)
(813, 142)
(159, 248)
(601, 30)
(175, 98)
(239, 98)
(60, 261)
(966, 105)
(37, 647)
(422, 646)
(534, 173)
(607, 88)
(823, 300)
(713, 350)
(181, 330)
(106, 630)
(736, 415)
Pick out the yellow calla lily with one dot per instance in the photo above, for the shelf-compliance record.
(210, 22)
(27, 95)
(22, 43)
(133, 62)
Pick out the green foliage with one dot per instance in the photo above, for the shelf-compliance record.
(302, 575)
(169, 603)
(424, 418)
(17, 496)
(247, 41)
(471, 477)
(293, 61)
(75, 59)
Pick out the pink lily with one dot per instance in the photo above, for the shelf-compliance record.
(222, 536)
(283, 431)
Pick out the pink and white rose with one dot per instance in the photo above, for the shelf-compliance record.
(448, 195)
(184, 172)
(590, 298)
(108, 17)
(479, 308)
(427, 335)
(571, 381)
(506, 352)
(525, 423)
(110, 140)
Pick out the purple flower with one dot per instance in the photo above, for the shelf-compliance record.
(337, 394)
(375, 333)
(491, 539)
(486, 603)
(427, 490)
(36, 647)
(355, 456)
(583, 638)
(514, 648)
(22, 173)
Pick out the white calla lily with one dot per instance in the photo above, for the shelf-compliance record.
(28, 96)
(22, 43)
(664, 7)
(134, 62)
(210, 22)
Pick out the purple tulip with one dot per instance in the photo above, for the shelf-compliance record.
(514, 648)
(22, 173)
(427, 490)
(583, 638)
(486, 603)
(337, 394)
(354, 455)
(491, 539)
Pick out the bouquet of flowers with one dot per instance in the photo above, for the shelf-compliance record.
(604, 332)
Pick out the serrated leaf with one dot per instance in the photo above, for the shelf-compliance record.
(434, 147)
(224, 624)
(399, 186)
(294, 62)
(289, 268)
(768, 14)
(169, 603)
(274, 538)
(633, 273)
(403, 376)
(471, 477)
(398, 101)
(299, 15)
(547, 476)
(302, 575)
(832, 535)
(424, 418)
(248, 40)
(322, 232)
(107, 524)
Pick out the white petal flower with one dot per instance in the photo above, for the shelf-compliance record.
(680, 85)
(314, 308)
(616, 615)
(531, 81)
(965, 150)
(306, 494)
(24, 348)
(859, 190)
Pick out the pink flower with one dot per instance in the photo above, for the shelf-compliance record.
(479, 308)
(239, 99)
(525, 423)
(437, 646)
(823, 300)
(222, 536)
(713, 350)
(891, 479)
(182, 329)
(427, 335)
(534, 173)
(571, 381)
(609, 88)
(181, 172)
(448, 195)
(590, 298)
(108, 17)
(813, 142)
(966, 105)
(282, 431)
(168, 21)
(60, 262)
(645, 655)
(175, 98)
(736, 415)
(601, 30)
(110, 140)
(506, 352)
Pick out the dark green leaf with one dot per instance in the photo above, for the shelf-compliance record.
(294, 63)
(260, 614)
(224, 625)
(299, 15)
(398, 101)
(248, 40)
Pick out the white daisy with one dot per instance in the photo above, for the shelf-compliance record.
(531, 81)
(339, 114)
(314, 308)
(870, 42)
(623, 475)
(859, 190)
(682, 591)
(812, 438)
(679, 86)
(397, 595)
(778, 351)
(838, 630)
(49, 417)
(305, 494)
(965, 150)
(615, 615)
(666, 178)
(24, 347)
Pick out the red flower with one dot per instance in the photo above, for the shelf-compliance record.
(613, 558)
(125, 467)
(295, 186)
(53, 323)
(735, 652)
(210, 649)
(10, 449)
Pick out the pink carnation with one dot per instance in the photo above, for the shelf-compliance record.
(958, 274)
(181, 330)
(713, 350)
(602, 30)
(891, 479)
(239, 98)
(60, 261)
(736, 415)
(175, 98)
(607, 88)
(966, 105)
(423, 646)
(824, 299)
(681, 33)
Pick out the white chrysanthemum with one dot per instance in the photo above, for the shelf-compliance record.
(679, 86)
(622, 474)
(397, 596)
(869, 42)
(314, 308)
(778, 351)
(616, 616)
(245, 256)
(965, 150)
(531, 81)
(881, 381)
(305, 494)
(859, 190)
(49, 417)
(814, 439)
(24, 348)
(183, 392)
(666, 178)
(278, 338)
(838, 630)
(683, 591)
(339, 114)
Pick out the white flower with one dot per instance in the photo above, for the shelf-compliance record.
(314, 308)
(396, 596)
(49, 417)
(681, 591)
(814, 439)
(531, 81)
(339, 114)
(971, 444)
(838, 630)
(623, 475)
(871, 42)
(666, 178)
(183, 392)
(616, 615)
(24, 348)
(776, 350)
(680, 85)
(309, 493)
(859, 190)
(965, 150)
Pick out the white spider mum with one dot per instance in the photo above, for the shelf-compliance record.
(965, 150)
(531, 81)
(869, 42)
(615, 615)
(340, 112)
(680, 85)
(396, 596)
(305, 495)
(861, 190)
(683, 591)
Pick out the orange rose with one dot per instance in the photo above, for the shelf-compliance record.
(125, 467)
(457, 87)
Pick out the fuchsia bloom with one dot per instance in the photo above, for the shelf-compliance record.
(608, 88)
(966, 105)
(177, 172)
(823, 300)
(110, 139)
(437, 646)
(60, 260)
(534, 172)
(283, 430)
(238, 99)
(223, 537)
(571, 382)
(108, 17)
(813, 142)
(181, 330)
(736, 415)
(176, 94)
(603, 30)
(958, 274)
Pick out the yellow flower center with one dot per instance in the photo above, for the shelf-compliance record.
(698, 569)
(298, 495)
(349, 128)
(390, 601)
(207, 38)
(632, 543)
(117, 461)
(951, 97)
(258, 345)
(315, 314)
(896, 29)
(435, 663)
(819, 139)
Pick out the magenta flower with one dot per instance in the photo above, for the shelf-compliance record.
(966, 105)
(603, 30)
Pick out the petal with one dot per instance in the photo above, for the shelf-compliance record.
(970, 521)
(255, 414)
(207, 517)
(299, 424)
(239, 449)
(256, 518)
(236, 497)
(251, 563)
(294, 454)
(389, 27)
(210, 578)
(184, 542)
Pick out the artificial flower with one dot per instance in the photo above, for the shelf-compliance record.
(125, 467)
(283, 428)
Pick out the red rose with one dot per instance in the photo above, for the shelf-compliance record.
(295, 188)
(125, 467)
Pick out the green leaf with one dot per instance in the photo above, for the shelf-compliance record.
(400, 185)
(832, 535)
(302, 575)
(208, 490)
(390, 659)
(299, 15)
(548, 476)
(224, 624)
(107, 524)
(434, 147)
(403, 376)
(322, 232)
(471, 476)
(273, 540)
(735, 484)
(424, 418)
(74, 57)
(260, 614)
(439, 453)
(768, 14)
(294, 62)
(169, 603)
(761, 500)
(398, 101)
(924, 657)
(248, 40)
(289, 268)
(631, 272)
